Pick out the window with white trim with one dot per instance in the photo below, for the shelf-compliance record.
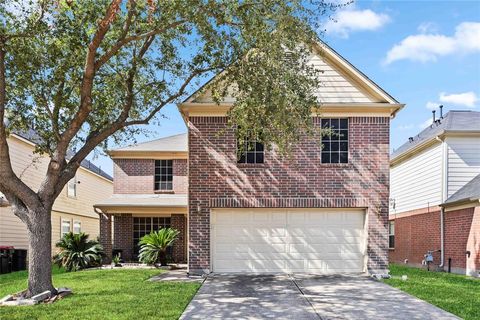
(77, 226)
(65, 227)
(72, 188)
(163, 175)
(391, 234)
(335, 144)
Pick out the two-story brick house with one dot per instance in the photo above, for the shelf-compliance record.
(319, 211)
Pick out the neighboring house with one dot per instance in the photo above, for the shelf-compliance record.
(318, 211)
(150, 193)
(72, 211)
(434, 195)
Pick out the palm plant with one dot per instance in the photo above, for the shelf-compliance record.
(77, 252)
(153, 246)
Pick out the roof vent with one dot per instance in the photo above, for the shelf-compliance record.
(433, 115)
(441, 111)
(410, 139)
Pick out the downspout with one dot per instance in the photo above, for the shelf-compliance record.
(442, 200)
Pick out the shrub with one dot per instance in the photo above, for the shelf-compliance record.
(77, 252)
(153, 246)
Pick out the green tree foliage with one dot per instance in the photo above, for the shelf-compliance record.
(153, 246)
(89, 73)
(76, 252)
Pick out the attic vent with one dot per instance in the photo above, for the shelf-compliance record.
(288, 57)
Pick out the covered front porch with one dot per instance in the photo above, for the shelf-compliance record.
(125, 219)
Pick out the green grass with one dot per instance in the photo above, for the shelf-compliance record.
(103, 294)
(455, 293)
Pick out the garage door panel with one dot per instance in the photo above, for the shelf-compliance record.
(287, 240)
(268, 247)
(269, 265)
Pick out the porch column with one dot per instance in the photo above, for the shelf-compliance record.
(179, 222)
(106, 236)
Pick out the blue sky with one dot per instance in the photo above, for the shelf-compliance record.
(424, 53)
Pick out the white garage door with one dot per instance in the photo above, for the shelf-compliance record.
(281, 240)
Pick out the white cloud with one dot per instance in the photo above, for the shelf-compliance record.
(428, 46)
(427, 27)
(432, 105)
(405, 127)
(346, 21)
(467, 99)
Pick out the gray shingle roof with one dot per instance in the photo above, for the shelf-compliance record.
(469, 192)
(453, 121)
(33, 137)
(175, 143)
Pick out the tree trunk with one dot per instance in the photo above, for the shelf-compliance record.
(40, 253)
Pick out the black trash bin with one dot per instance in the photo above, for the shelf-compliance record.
(19, 260)
(6, 255)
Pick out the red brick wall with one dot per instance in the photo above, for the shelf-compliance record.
(106, 236)
(123, 235)
(416, 234)
(179, 222)
(457, 230)
(216, 180)
(137, 175)
(473, 244)
(180, 175)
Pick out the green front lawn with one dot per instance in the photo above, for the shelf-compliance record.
(103, 294)
(455, 293)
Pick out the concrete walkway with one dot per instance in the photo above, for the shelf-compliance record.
(305, 297)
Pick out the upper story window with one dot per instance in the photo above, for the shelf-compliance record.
(335, 146)
(249, 151)
(391, 234)
(72, 188)
(163, 175)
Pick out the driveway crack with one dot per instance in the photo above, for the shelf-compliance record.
(292, 278)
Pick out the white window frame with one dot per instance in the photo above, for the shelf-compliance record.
(391, 233)
(72, 188)
(62, 222)
(79, 223)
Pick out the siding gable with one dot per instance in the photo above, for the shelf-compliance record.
(463, 162)
(341, 83)
(417, 182)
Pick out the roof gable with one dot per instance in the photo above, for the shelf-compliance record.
(341, 82)
(175, 146)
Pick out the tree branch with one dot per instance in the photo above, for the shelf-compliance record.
(58, 159)
(10, 184)
(120, 44)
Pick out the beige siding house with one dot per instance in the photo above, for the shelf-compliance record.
(73, 210)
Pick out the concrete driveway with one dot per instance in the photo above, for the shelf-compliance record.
(305, 297)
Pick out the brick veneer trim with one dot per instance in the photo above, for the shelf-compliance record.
(288, 203)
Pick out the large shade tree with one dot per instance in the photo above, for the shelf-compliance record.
(86, 73)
